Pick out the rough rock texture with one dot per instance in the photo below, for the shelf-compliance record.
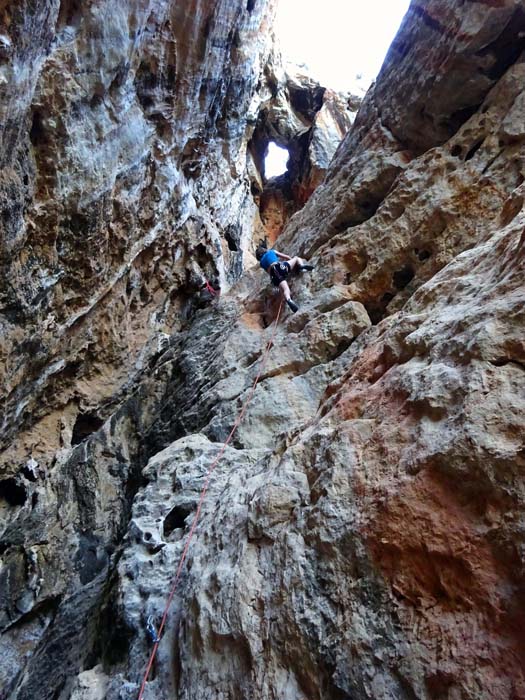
(363, 536)
(123, 188)
(309, 121)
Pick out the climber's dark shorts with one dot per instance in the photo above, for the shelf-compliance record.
(279, 272)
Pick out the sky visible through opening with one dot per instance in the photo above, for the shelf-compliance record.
(342, 44)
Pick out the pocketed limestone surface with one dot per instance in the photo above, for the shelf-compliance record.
(363, 536)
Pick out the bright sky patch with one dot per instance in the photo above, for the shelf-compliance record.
(275, 162)
(342, 42)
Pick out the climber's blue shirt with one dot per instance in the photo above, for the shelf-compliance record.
(268, 259)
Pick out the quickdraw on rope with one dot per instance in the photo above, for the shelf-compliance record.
(155, 635)
(152, 631)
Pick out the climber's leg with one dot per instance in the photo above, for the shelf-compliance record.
(297, 263)
(278, 273)
(285, 291)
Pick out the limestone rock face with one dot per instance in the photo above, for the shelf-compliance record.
(309, 121)
(124, 156)
(363, 535)
(124, 128)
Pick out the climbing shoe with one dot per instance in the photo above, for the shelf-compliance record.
(293, 306)
(306, 267)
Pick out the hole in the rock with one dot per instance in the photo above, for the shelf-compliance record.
(402, 277)
(230, 240)
(201, 252)
(500, 361)
(387, 297)
(148, 536)
(369, 207)
(475, 148)
(85, 425)
(376, 313)
(439, 684)
(343, 345)
(456, 151)
(176, 518)
(276, 160)
(29, 473)
(369, 203)
(79, 223)
(34, 500)
(13, 492)
(250, 6)
(37, 134)
(70, 13)
(422, 254)
(459, 117)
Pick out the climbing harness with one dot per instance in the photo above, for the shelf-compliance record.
(157, 635)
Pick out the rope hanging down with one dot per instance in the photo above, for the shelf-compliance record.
(199, 506)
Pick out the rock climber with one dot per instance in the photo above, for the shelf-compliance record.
(278, 265)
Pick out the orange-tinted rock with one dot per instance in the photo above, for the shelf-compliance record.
(363, 536)
(310, 121)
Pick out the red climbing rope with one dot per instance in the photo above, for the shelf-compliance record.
(201, 500)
